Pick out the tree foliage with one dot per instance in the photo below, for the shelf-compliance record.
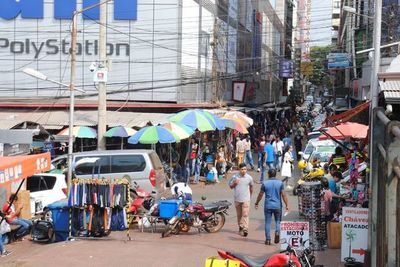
(318, 56)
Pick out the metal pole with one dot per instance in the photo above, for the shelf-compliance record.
(373, 179)
(102, 102)
(72, 99)
(200, 52)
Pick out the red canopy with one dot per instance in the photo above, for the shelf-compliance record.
(347, 130)
(347, 115)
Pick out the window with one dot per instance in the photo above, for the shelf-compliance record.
(93, 168)
(127, 163)
(336, 4)
(38, 183)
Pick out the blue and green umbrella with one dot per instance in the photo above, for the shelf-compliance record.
(120, 131)
(153, 135)
(195, 119)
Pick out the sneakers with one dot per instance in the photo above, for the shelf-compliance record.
(277, 238)
(245, 232)
(6, 253)
(267, 242)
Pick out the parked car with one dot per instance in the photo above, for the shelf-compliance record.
(140, 165)
(45, 188)
(319, 146)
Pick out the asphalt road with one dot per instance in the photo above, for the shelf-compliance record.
(149, 249)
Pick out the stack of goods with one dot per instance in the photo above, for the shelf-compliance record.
(312, 211)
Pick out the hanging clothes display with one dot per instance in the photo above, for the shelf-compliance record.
(98, 206)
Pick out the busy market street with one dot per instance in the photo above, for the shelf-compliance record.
(149, 249)
(215, 133)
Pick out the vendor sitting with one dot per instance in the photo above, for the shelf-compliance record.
(12, 217)
(180, 190)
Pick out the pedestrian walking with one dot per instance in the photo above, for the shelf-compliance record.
(274, 194)
(278, 153)
(260, 148)
(242, 185)
(298, 143)
(249, 155)
(269, 159)
(287, 167)
(240, 150)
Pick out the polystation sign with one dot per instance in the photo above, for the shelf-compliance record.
(354, 233)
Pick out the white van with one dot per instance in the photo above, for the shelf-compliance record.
(142, 166)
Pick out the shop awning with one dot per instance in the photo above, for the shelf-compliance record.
(16, 168)
(347, 115)
(390, 90)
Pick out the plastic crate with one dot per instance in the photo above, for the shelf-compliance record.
(169, 208)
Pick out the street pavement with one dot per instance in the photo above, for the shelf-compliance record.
(149, 249)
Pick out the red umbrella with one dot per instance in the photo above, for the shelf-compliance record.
(347, 130)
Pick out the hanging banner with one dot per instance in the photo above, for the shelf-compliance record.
(339, 60)
(295, 233)
(238, 91)
(286, 68)
(354, 233)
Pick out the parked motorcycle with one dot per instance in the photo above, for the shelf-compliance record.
(210, 218)
(142, 201)
(290, 257)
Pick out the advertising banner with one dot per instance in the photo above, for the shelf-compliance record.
(339, 60)
(286, 68)
(295, 233)
(354, 233)
(238, 91)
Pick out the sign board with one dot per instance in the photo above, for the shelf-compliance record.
(238, 91)
(100, 76)
(354, 233)
(286, 68)
(339, 60)
(295, 233)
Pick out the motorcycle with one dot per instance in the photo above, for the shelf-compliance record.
(143, 201)
(290, 257)
(210, 218)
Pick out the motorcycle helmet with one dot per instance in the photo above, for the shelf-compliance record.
(302, 164)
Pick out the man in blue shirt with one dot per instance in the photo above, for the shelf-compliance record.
(269, 158)
(274, 194)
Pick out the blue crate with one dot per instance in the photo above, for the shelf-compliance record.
(168, 208)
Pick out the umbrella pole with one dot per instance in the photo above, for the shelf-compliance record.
(170, 161)
(122, 143)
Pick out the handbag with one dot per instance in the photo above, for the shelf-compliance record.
(215, 262)
(4, 227)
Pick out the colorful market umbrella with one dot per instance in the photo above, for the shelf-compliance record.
(347, 130)
(80, 132)
(239, 117)
(181, 130)
(153, 135)
(219, 124)
(195, 119)
(120, 131)
(232, 124)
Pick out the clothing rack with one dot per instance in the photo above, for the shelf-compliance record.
(98, 206)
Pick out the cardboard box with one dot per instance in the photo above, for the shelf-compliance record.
(25, 200)
(334, 235)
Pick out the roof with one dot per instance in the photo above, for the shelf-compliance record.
(390, 90)
(58, 119)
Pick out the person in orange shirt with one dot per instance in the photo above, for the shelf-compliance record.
(12, 217)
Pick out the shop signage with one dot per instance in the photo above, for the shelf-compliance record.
(295, 234)
(286, 68)
(354, 233)
(339, 60)
(34, 9)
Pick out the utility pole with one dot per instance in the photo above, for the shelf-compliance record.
(102, 102)
(214, 64)
(200, 52)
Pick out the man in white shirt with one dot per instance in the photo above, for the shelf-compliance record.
(278, 151)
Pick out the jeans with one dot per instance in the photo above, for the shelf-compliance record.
(260, 159)
(278, 162)
(249, 158)
(270, 165)
(197, 168)
(1, 244)
(268, 219)
(25, 226)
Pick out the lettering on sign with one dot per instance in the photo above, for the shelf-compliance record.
(34, 9)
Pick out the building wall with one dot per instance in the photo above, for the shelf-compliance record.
(143, 53)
